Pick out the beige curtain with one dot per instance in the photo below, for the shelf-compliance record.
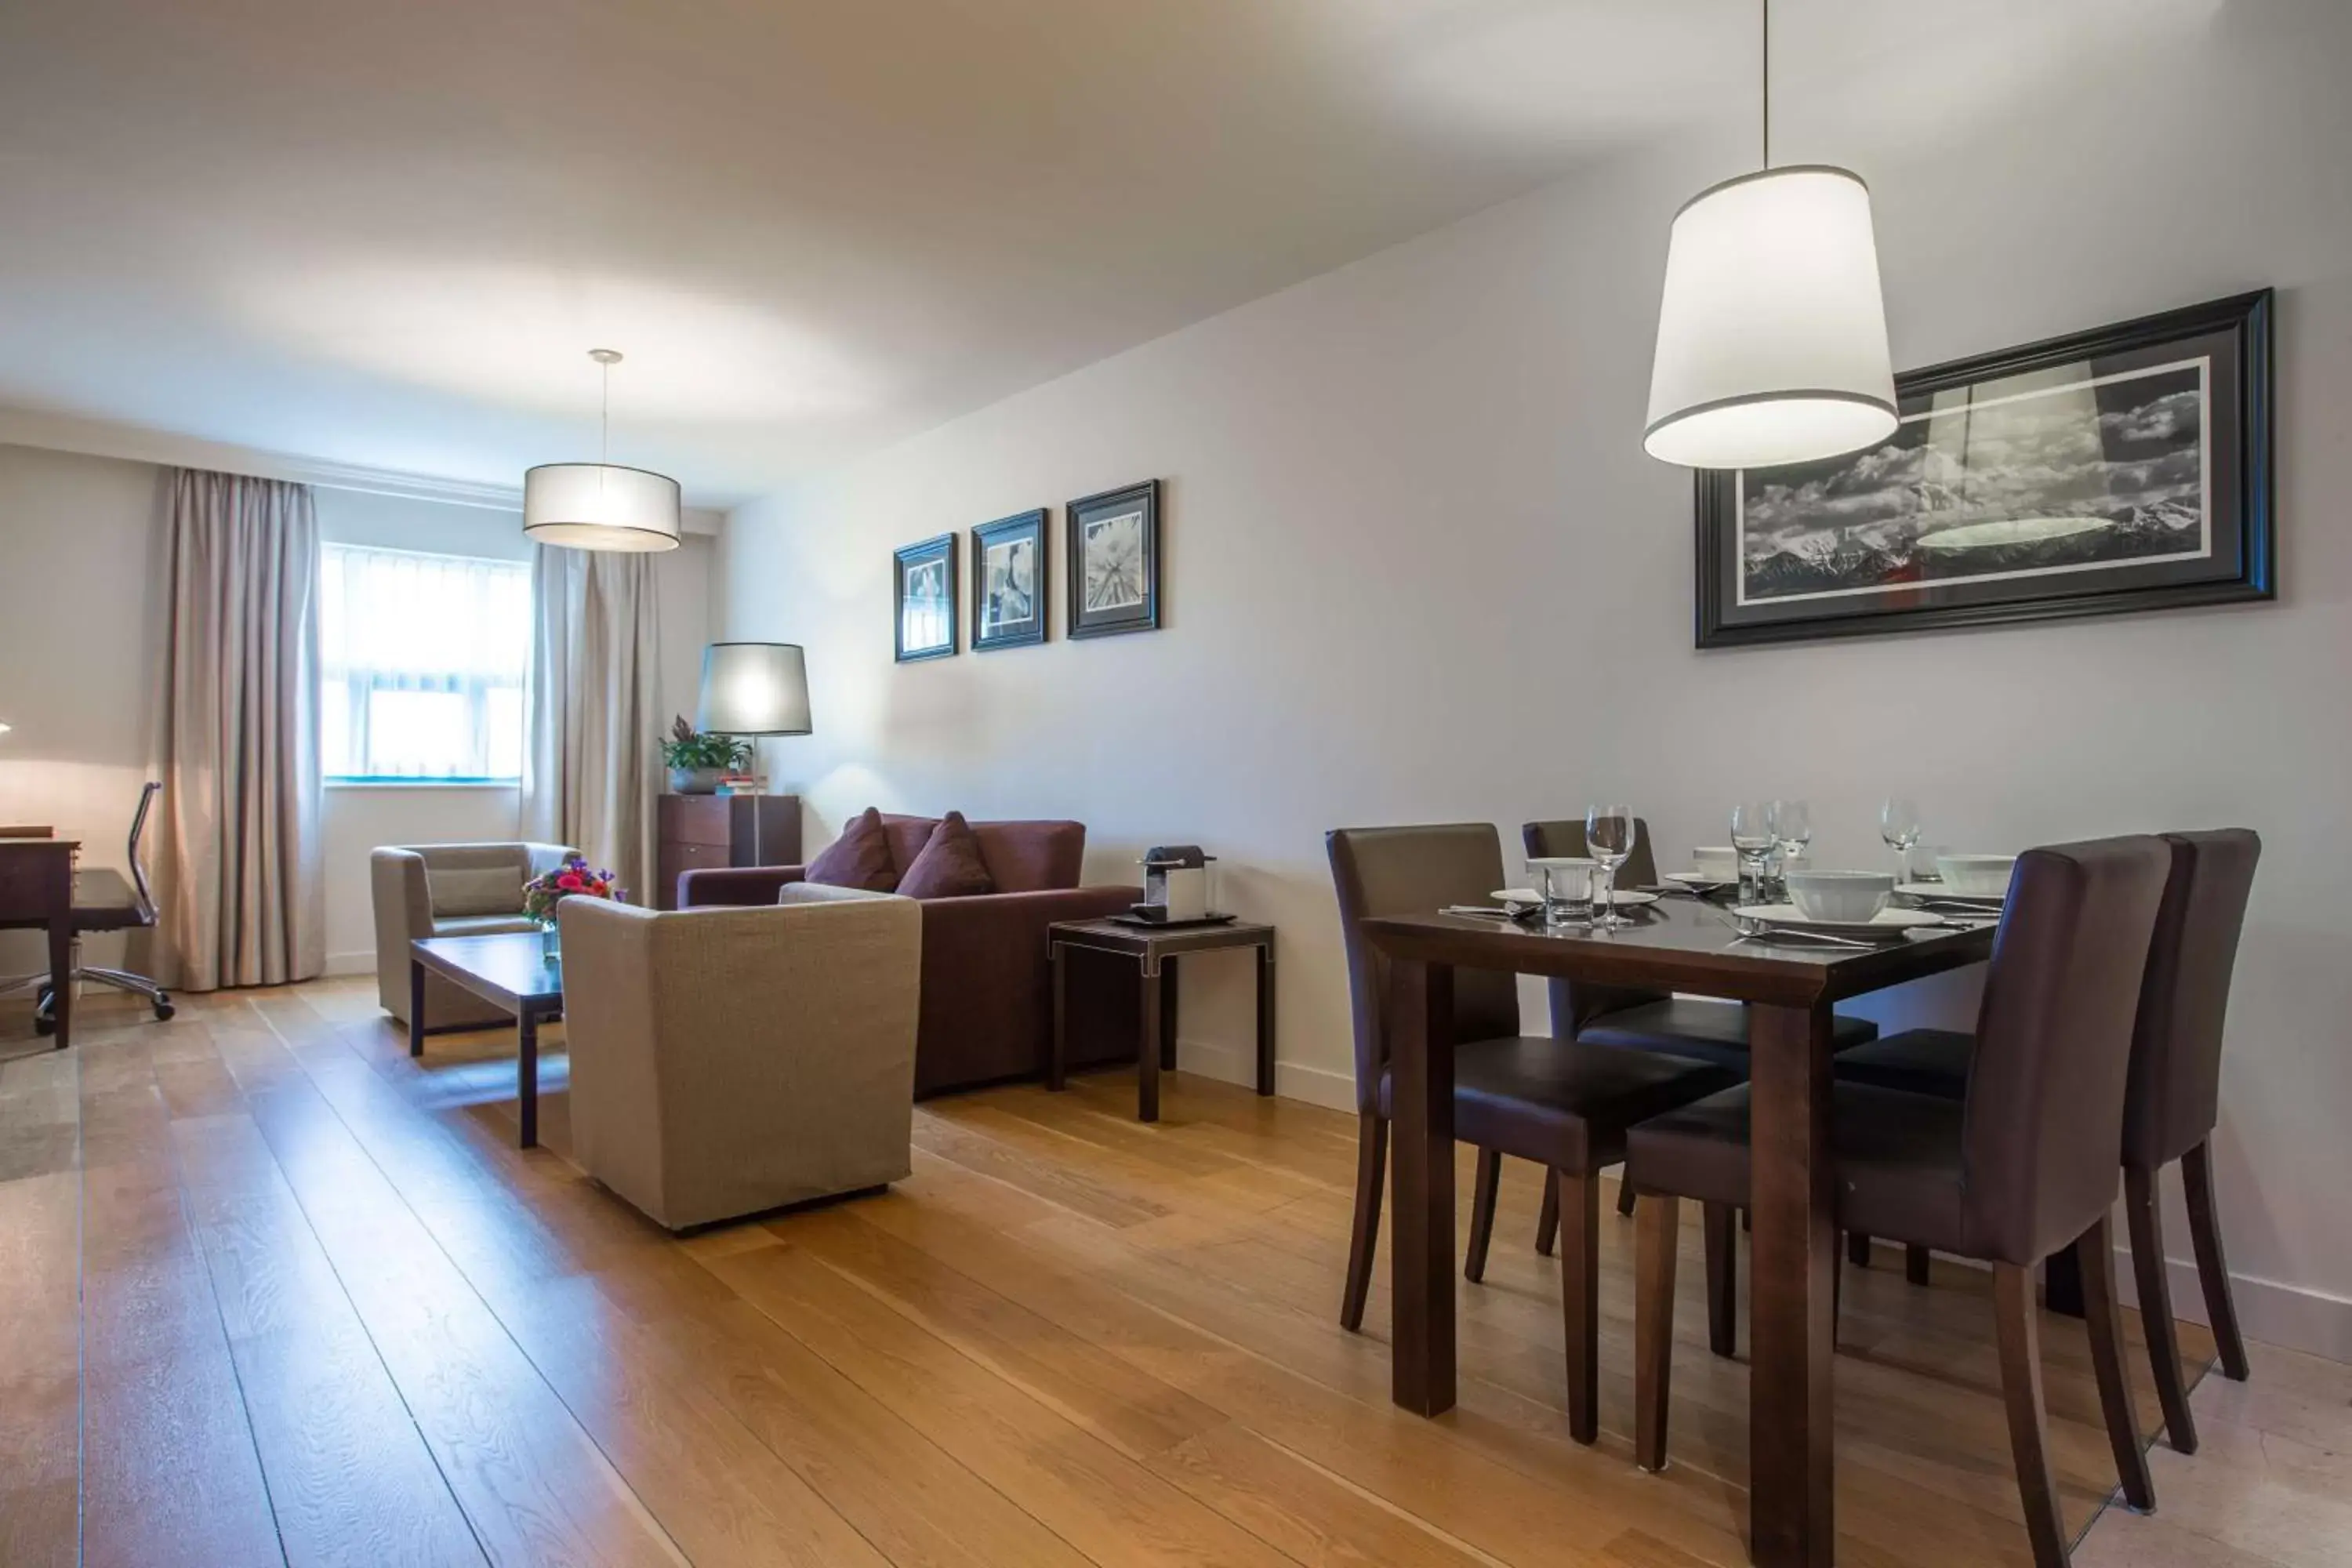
(243, 899)
(590, 768)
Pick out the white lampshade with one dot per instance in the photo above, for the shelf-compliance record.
(1772, 333)
(600, 506)
(753, 689)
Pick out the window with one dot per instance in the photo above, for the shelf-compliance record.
(422, 665)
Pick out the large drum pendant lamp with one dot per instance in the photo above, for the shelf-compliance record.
(1773, 331)
(601, 505)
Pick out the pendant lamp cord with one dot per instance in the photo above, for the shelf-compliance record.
(1767, 83)
(604, 416)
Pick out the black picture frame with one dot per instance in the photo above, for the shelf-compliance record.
(931, 566)
(1022, 535)
(1114, 578)
(2024, 579)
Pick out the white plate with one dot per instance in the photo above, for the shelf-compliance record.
(1622, 898)
(1701, 879)
(1790, 915)
(1944, 895)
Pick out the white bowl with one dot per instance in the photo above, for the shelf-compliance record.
(1976, 876)
(1717, 862)
(1845, 896)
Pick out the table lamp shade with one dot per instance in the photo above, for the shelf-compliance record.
(600, 506)
(754, 688)
(1771, 333)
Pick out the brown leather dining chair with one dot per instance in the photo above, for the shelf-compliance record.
(2173, 1102)
(1561, 1103)
(1648, 1020)
(2013, 1171)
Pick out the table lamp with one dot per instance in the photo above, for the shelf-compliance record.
(753, 689)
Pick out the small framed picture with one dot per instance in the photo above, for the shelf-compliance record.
(1008, 582)
(1114, 561)
(926, 583)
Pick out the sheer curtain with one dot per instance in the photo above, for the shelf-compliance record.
(590, 767)
(243, 899)
(424, 662)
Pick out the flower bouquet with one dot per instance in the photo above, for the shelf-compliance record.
(571, 880)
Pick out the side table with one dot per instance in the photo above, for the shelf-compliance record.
(1157, 949)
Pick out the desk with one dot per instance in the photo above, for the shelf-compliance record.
(36, 888)
(1680, 944)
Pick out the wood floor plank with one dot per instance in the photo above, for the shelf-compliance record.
(40, 1312)
(170, 1472)
(1069, 1338)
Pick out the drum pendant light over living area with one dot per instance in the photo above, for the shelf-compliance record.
(1773, 331)
(600, 505)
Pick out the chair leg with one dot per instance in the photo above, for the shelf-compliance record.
(2017, 1319)
(2104, 1312)
(1372, 1170)
(1857, 1249)
(1548, 1223)
(1580, 1299)
(1915, 1264)
(1624, 1196)
(1722, 1279)
(1481, 1214)
(1657, 1230)
(2212, 1268)
(2146, 1226)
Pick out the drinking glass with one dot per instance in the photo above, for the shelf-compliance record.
(1567, 890)
(1899, 826)
(1792, 829)
(1751, 835)
(1608, 838)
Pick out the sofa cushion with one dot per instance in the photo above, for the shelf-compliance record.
(1032, 856)
(860, 857)
(950, 866)
(464, 890)
(908, 835)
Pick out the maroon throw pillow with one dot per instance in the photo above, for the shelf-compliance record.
(950, 866)
(860, 857)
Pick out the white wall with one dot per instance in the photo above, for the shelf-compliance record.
(81, 622)
(1418, 569)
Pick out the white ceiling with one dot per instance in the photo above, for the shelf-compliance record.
(386, 232)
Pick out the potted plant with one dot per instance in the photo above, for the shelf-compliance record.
(572, 880)
(698, 762)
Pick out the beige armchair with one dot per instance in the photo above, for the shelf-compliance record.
(448, 890)
(728, 1061)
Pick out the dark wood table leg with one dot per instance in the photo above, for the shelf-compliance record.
(1058, 1064)
(61, 979)
(1168, 991)
(2062, 1283)
(1147, 1060)
(416, 1008)
(1266, 1018)
(527, 1075)
(1421, 1067)
(1792, 1515)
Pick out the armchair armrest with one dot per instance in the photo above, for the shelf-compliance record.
(544, 857)
(735, 885)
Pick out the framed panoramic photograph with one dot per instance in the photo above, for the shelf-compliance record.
(2125, 468)
(925, 592)
(1008, 582)
(1113, 562)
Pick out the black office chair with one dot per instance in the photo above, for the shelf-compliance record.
(102, 900)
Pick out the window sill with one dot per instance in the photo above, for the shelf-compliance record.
(508, 785)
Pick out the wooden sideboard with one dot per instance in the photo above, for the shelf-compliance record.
(692, 831)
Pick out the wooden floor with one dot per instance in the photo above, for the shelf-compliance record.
(270, 1291)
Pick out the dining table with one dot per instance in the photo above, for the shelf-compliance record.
(1695, 947)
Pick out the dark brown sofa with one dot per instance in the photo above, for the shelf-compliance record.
(987, 991)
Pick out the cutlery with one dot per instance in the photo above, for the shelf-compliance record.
(1789, 935)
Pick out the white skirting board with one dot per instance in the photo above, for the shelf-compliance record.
(361, 962)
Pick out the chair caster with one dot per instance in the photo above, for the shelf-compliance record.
(163, 1008)
(44, 1026)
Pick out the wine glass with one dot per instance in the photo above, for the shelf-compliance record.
(1608, 838)
(1899, 826)
(1751, 835)
(1792, 829)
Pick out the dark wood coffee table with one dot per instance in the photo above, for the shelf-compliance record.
(1155, 950)
(511, 971)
